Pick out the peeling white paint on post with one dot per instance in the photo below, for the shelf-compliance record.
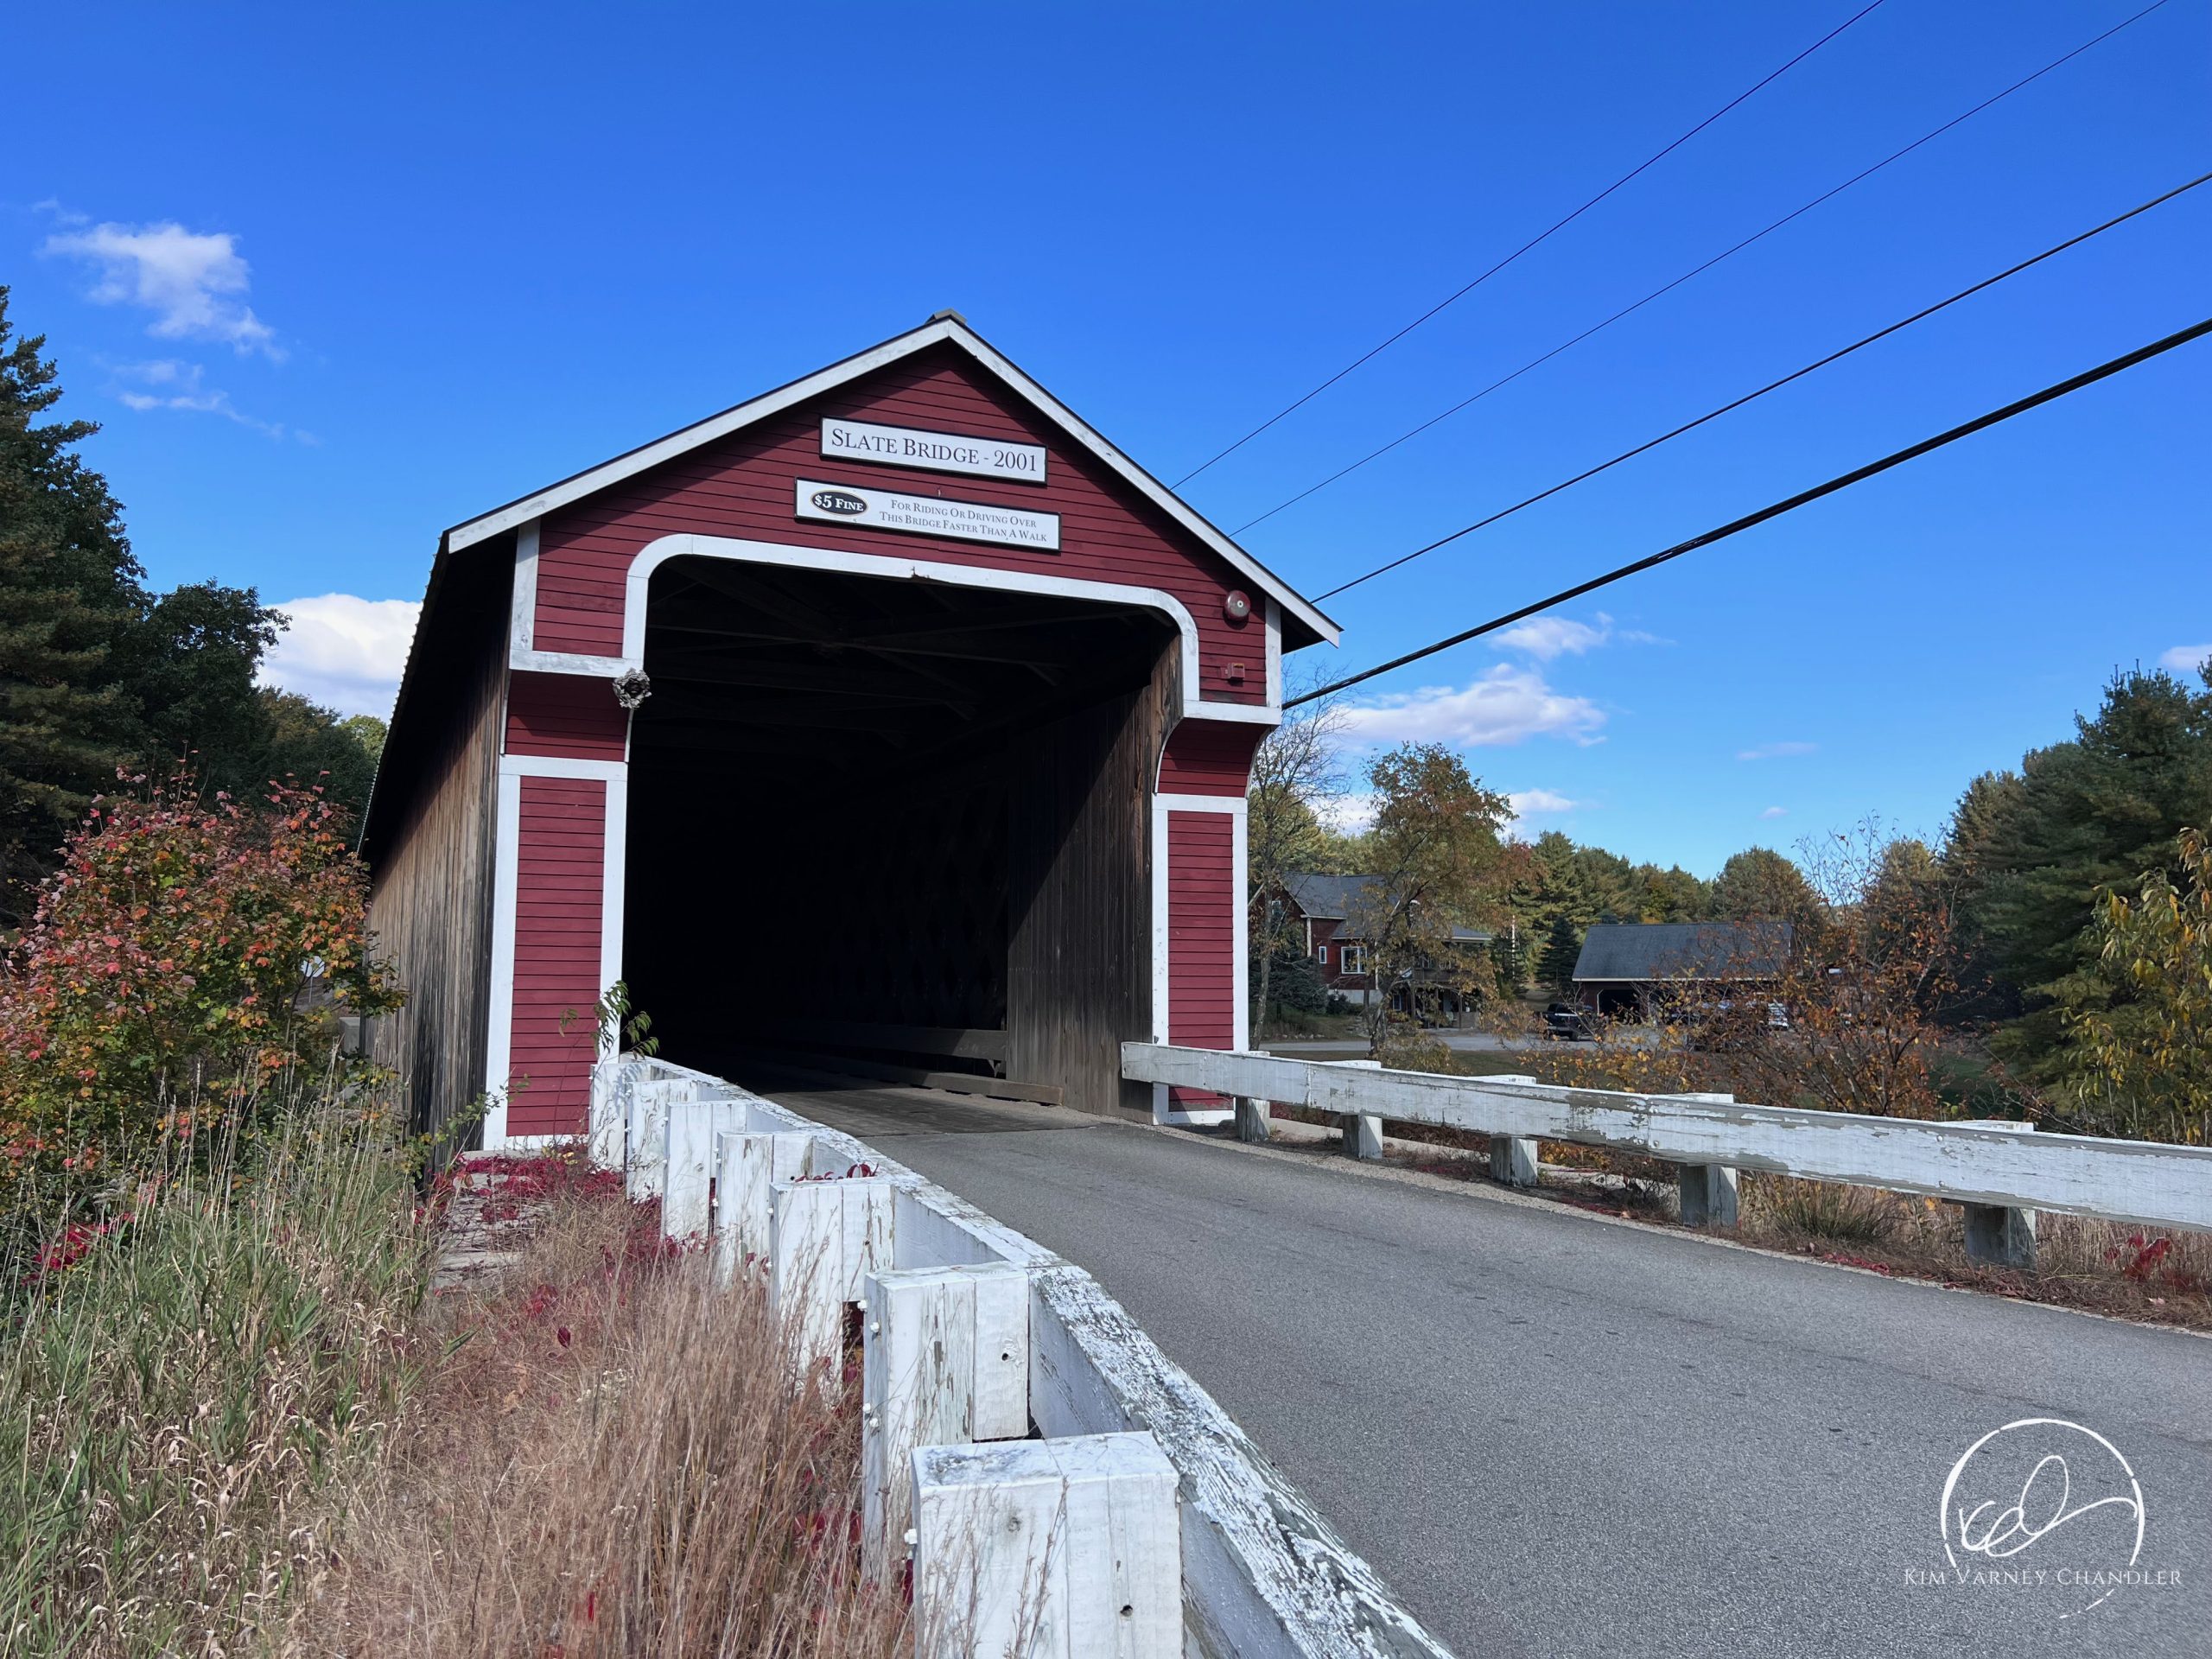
(747, 1167)
(2003, 1235)
(1052, 1549)
(1363, 1136)
(945, 1362)
(687, 1188)
(1252, 1120)
(825, 1237)
(2151, 1183)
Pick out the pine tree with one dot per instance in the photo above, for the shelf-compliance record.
(1555, 960)
(69, 594)
(2040, 854)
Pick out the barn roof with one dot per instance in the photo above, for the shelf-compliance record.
(1663, 951)
(1332, 898)
(945, 328)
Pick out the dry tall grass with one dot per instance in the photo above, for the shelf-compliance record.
(608, 1461)
(174, 1398)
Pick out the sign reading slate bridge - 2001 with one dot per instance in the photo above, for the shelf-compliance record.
(927, 515)
(939, 452)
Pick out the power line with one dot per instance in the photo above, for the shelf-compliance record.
(2049, 394)
(1771, 385)
(1525, 247)
(1695, 271)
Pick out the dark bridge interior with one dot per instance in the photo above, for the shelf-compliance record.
(895, 823)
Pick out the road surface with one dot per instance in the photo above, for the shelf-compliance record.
(1556, 1436)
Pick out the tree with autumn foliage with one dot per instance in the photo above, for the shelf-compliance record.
(2141, 1054)
(1440, 861)
(184, 968)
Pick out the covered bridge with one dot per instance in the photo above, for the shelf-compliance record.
(895, 714)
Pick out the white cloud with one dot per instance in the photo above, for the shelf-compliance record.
(1546, 638)
(1351, 814)
(1528, 804)
(1504, 705)
(1775, 812)
(1528, 801)
(1776, 751)
(194, 283)
(168, 382)
(2183, 659)
(342, 651)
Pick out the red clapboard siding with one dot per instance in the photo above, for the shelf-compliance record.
(1209, 757)
(562, 843)
(1202, 918)
(741, 487)
(571, 714)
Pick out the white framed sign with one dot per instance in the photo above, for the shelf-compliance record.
(939, 452)
(927, 515)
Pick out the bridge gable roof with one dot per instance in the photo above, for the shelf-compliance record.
(1304, 621)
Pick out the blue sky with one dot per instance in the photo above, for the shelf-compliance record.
(426, 259)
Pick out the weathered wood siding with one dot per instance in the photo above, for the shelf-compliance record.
(741, 487)
(1080, 887)
(431, 844)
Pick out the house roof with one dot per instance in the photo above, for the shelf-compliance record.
(948, 329)
(1663, 951)
(1333, 898)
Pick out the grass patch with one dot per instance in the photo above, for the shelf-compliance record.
(176, 1393)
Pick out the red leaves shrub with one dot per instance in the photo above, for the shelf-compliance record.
(184, 960)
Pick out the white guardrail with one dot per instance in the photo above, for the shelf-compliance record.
(1063, 1489)
(2000, 1173)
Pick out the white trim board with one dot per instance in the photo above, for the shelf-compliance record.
(507, 890)
(561, 765)
(637, 587)
(938, 330)
(522, 618)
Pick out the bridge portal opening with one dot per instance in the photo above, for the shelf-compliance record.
(895, 826)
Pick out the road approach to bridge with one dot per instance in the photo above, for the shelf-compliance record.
(1556, 1434)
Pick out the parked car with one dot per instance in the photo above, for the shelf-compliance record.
(1564, 1022)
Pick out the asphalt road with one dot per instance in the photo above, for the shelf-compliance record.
(1557, 1435)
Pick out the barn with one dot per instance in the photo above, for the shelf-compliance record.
(895, 714)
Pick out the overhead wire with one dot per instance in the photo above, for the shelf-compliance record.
(1859, 344)
(1461, 293)
(1775, 509)
(1697, 270)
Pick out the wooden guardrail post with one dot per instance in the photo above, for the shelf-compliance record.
(945, 1362)
(1251, 1119)
(1362, 1130)
(826, 1235)
(646, 1160)
(1513, 1157)
(1999, 1235)
(1707, 1191)
(747, 1167)
(688, 1182)
(1052, 1549)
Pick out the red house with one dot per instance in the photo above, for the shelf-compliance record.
(897, 695)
